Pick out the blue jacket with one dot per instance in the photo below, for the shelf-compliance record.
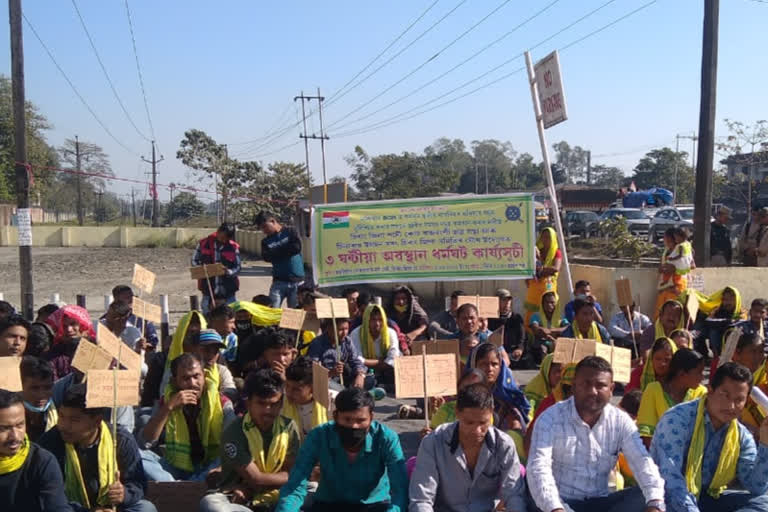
(283, 251)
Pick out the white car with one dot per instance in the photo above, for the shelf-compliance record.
(636, 219)
(670, 217)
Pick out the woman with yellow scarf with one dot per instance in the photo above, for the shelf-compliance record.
(543, 383)
(546, 325)
(750, 353)
(548, 262)
(655, 368)
(722, 308)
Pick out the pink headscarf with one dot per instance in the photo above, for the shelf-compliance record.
(56, 321)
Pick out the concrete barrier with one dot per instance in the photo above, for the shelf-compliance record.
(106, 236)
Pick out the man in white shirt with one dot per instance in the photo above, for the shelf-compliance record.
(377, 344)
(575, 446)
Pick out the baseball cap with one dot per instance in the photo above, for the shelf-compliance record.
(503, 293)
(209, 337)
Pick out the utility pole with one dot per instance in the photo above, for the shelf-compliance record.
(477, 178)
(485, 164)
(20, 152)
(703, 194)
(99, 204)
(224, 198)
(155, 199)
(322, 137)
(78, 155)
(306, 141)
(172, 187)
(589, 167)
(133, 205)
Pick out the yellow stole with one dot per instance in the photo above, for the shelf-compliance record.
(14, 462)
(319, 415)
(74, 485)
(275, 457)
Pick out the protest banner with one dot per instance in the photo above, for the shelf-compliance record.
(487, 307)
(117, 349)
(292, 319)
(90, 357)
(102, 392)
(409, 376)
(10, 374)
(572, 350)
(143, 279)
(731, 342)
(320, 384)
(436, 239)
(147, 311)
(691, 308)
(207, 271)
(325, 307)
(624, 293)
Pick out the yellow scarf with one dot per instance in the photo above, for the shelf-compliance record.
(278, 449)
(549, 259)
(366, 341)
(319, 415)
(709, 303)
(177, 343)
(649, 372)
(14, 462)
(262, 316)
(594, 332)
(726, 466)
(74, 485)
(569, 372)
(538, 389)
(209, 423)
(659, 329)
(554, 323)
(655, 403)
(51, 417)
(752, 413)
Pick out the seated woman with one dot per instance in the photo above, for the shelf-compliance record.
(584, 325)
(681, 384)
(543, 383)
(682, 338)
(546, 325)
(509, 401)
(561, 391)
(750, 353)
(655, 368)
(722, 308)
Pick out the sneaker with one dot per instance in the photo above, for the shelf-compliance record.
(377, 393)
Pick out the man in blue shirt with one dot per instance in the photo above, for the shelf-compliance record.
(584, 324)
(717, 415)
(361, 462)
(340, 361)
(757, 323)
(583, 290)
(282, 248)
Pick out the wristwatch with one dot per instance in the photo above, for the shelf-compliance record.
(658, 504)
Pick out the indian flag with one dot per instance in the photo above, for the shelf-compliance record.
(335, 220)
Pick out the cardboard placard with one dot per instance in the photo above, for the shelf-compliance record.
(213, 270)
(436, 347)
(731, 341)
(624, 293)
(176, 496)
(692, 306)
(10, 374)
(117, 349)
(91, 357)
(497, 337)
(572, 350)
(100, 388)
(143, 279)
(323, 307)
(147, 311)
(409, 376)
(292, 319)
(320, 384)
(487, 307)
(311, 322)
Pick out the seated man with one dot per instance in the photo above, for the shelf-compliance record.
(701, 448)
(576, 444)
(14, 331)
(124, 294)
(408, 314)
(670, 319)
(621, 329)
(546, 325)
(278, 350)
(300, 404)
(116, 319)
(363, 459)
(222, 320)
(467, 464)
(377, 345)
(207, 345)
(257, 450)
(757, 321)
(468, 323)
(719, 320)
(352, 294)
(514, 331)
(340, 361)
(192, 414)
(583, 290)
(584, 325)
(30, 478)
(83, 446)
(444, 324)
(39, 409)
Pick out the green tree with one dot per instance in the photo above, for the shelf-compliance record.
(107, 207)
(572, 160)
(207, 158)
(184, 206)
(605, 176)
(657, 169)
(276, 189)
(526, 174)
(94, 161)
(493, 159)
(388, 176)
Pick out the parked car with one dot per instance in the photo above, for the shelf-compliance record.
(670, 217)
(582, 223)
(637, 221)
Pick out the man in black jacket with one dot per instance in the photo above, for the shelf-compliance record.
(30, 478)
(77, 440)
(282, 248)
(219, 247)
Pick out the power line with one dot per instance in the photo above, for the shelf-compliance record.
(138, 69)
(74, 89)
(390, 45)
(268, 132)
(400, 117)
(106, 74)
(256, 148)
(454, 68)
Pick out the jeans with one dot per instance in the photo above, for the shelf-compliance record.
(219, 502)
(205, 304)
(733, 501)
(287, 290)
(139, 506)
(158, 469)
(628, 500)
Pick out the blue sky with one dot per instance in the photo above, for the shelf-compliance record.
(232, 69)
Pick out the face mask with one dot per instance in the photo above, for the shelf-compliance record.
(243, 326)
(351, 437)
(28, 406)
(401, 309)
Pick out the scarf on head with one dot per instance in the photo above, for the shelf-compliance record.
(709, 303)
(210, 420)
(74, 485)
(538, 389)
(80, 315)
(9, 464)
(275, 456)
(760, 380)
(655, 403)
(569, 372)
(594, 332)
(49, 410)
(319, 414)
(548, 259)
(649, 372)
(177, 343)
(366, 340)
(556, 320)
(262, 316)
(505, 389)
(659, 329)
(727, 464)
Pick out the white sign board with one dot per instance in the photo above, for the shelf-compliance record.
(24, 222)
(550, 86)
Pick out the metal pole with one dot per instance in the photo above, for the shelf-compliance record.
(306, 142)
(486, 177)
(80, 216)
(548, 169)
(677, 150)
(20, 148)
(155, 200)
(322, 144)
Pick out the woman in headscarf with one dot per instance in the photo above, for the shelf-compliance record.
(409, 316)
(543, 383)
(69, 324)
(655, 368)
(560, 391)
(723, 309)
(548, 262)
(546, 325)
(671, 283)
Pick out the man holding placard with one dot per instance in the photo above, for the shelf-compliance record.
(219, 247)
(124, 294)
(98, 473)
(342, 361)
(30, 478)
(116, 319)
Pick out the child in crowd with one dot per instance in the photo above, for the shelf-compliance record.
(300, 404)
(222, 320)
(278, 350)
(37, 391)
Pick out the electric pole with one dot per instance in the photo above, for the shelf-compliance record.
(133, 205)
(155, 199)
(80, 216)
(703, 194)
(677, 150)
(172, 187)
(20, 155)
(589, 167)
(224, 194)
(322, 137)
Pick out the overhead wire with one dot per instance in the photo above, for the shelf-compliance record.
(138, 70)
(257, 148)
(75, 90)
(404, 117)
(268, 132)
(106, 74)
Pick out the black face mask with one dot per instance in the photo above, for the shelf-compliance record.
(351, 437)
(243, 326)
